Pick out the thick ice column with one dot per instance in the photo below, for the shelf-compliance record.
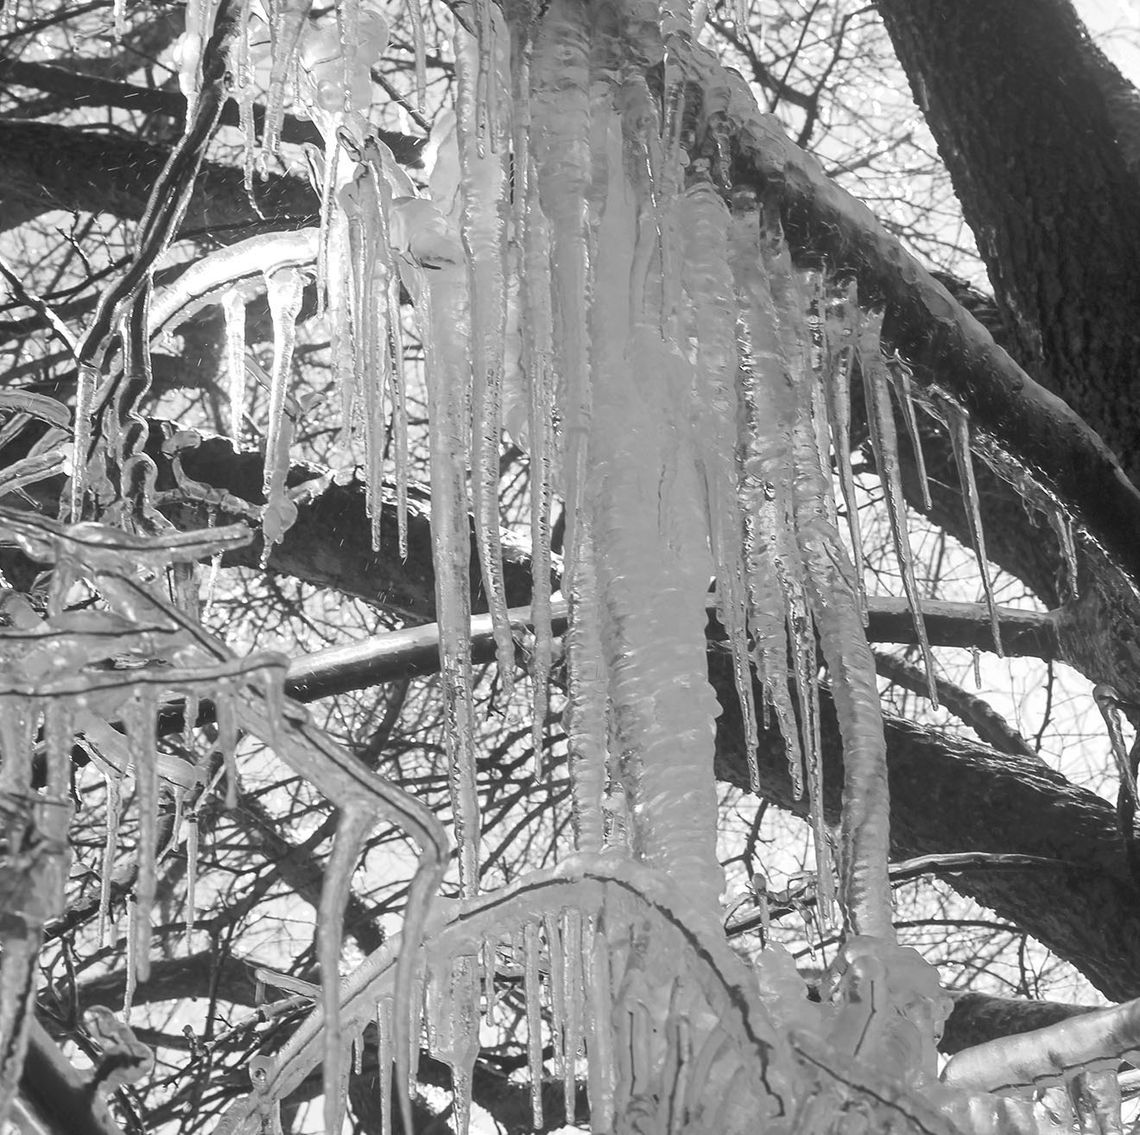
(654, 564)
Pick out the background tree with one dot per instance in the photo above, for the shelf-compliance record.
(1038, 133)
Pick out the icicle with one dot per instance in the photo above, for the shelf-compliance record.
(764, 492)
(709, 286)
(17, 1000)
(866, 889)
(488, 954)
(445, 338)
(538, 364)
(141, 736)
(586, 711)
(368, 257)
(453, 1029)
(110, 852)
(243, 94)
(399, 399)
(132, 958)
(419, 49)
(573, 1003)
(353, 825)
(599, 1040)
(885, 441)
(902, 376)
(560, 138)
(841, 325)
(228, 739)
(233, 306)
(483, 182)
(384, 1062)
(557, 959)
(531, 988)
(958, 424)
(1108, 702)
(59, 733)
(654, 565)
(287, 21)
(285, 289)
(84, 410)
(1062, 526)
(191, 877)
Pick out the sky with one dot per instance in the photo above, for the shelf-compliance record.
(1115, 25)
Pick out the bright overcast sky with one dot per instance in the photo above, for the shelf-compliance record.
(1115, 25)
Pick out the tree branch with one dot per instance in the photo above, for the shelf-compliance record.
(90, 90)
(61, 167)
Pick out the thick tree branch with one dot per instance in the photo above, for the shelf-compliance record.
(91, 90)
(62, 167)
(1041, 135)
(944, 343)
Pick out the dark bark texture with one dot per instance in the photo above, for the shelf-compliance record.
(1037, 129)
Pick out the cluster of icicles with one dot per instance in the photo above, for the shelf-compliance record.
(579, 279)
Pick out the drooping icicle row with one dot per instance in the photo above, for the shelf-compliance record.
(764, 491)
(453, 1028)
(884, 438)
(483, 181)
(864, 852)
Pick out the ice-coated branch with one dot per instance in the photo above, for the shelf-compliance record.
(946, 346)
(1095, 1041)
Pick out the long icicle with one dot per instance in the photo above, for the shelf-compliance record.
(958, 423)
(447, 372)
(561, 145)
(764, 490)
(841, 329)
(865, 846)
(709, 286)
(483, 178)
(884, 438)
(141, 738)
(284, 289)
(539, 370)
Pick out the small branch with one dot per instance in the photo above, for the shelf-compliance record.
(948, 864)
(977, 713)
